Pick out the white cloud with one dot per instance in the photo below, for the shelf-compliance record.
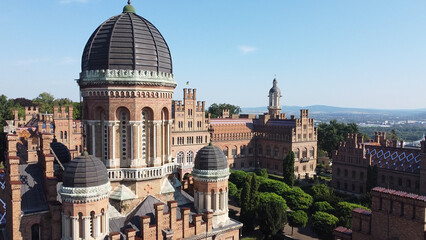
(66, 60)
(30, 61)
(247, 49)
(73, 1)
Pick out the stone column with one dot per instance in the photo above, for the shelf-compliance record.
(154, 133)
(86, 228)
(208, 202)
(216, 200)
(64, 224)
(96, 226)
(131, 145)
(113, 146)
(196, 200)
(74, 230)
(200, 201)
(169, 156)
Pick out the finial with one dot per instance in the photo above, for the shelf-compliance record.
(129, 8)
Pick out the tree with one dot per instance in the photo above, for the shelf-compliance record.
(233, 191)
(270, 185)
(323, 207)
(272, 214)
(322, 192)
(392, 135)
(45, 102)
(329, 135)
(249, 202)
(288, 169)
(344, 212)
(297, 199)
(216, 109)
(262, 173)
(297, 218)
(323, 224)
(238, 177)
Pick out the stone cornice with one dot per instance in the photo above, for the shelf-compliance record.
(84, 194)
(211, 175)
(126, 77)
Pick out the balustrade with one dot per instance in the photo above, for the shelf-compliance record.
(137, 174)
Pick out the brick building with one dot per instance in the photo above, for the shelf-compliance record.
(189, 130)
(264, 142)
(394, 215)
(118, 188)
(399, 168)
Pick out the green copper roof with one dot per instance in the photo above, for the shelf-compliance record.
(129, 9)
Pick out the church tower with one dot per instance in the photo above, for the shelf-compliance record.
(274, 99)
(211, 175)
(85, 201)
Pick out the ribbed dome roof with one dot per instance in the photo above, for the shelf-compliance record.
(274, 88)
(210, 158)
(85, 171)
(129, 42)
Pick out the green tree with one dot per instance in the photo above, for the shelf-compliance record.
(323, 224)
(344, 212)
(288, 169)
(249, 202)
(323, 207)
(329, 135)
(297, 199)
(269, 185)
(238, 177)
(392, 135)
(262, 173)
(233, 191)
(322, 192)
(272, 214)
(45, 102)
(216, 109)
(297, 218)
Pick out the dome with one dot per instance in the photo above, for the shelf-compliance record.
(61, 151)
(210, 158)
(85, 171)
(127, 42)
(274, 88)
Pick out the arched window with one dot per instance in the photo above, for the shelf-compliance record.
(268, 151)
(275, 152)
(92, 222)
(80, 225)
(312, 152)
(234, 151)
(145, 133)
(189, 156)
(62, 135)
(243, 150)
(225, 151)
(65, 135)
(305, 153)
(102, 218)
(35, 232)
(297, 153)
(123, 117)
(180, 156)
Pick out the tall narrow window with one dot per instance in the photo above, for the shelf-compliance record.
(189, 156)
(180, 156)
(35, 232)
(92, 223)
(124, 121)
(80, 225)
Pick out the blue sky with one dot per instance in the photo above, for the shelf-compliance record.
(368, 54)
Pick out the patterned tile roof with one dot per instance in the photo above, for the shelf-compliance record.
(398, 159)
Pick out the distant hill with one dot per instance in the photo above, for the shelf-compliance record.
(323, 112)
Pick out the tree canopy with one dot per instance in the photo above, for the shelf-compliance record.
(329, 135)
(288, 169)
(272, 213)
(216, 109)
(344, 212)
(323, 223)
(297, 218)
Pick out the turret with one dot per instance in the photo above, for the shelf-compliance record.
(274, 99)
